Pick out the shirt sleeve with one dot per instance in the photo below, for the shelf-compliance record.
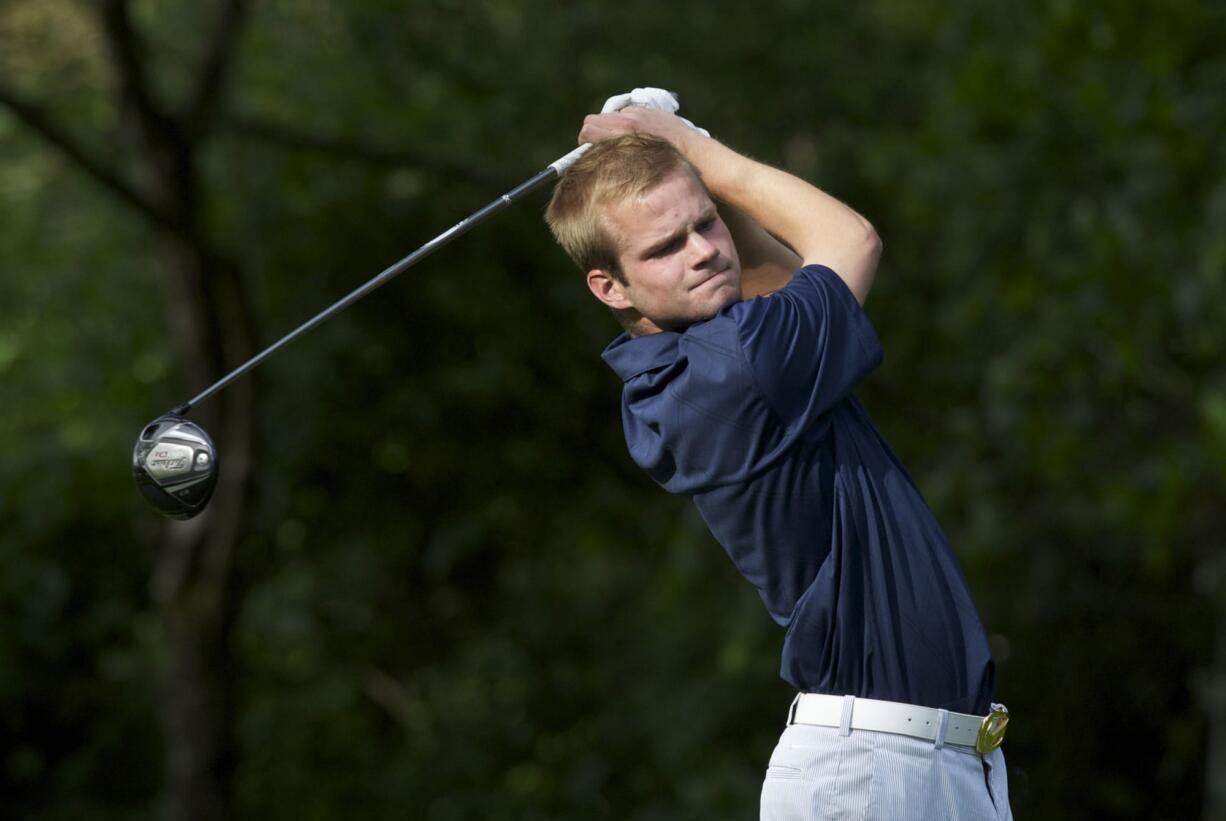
(808, 344)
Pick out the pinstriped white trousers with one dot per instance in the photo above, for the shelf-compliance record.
(816, 774)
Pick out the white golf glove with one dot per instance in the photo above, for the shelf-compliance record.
(657, 98)
(648, 98)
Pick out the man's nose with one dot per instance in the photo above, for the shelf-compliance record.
(702, 250)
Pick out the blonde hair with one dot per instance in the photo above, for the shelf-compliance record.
(613, 171)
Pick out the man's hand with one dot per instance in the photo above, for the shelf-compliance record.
(649, 97)
(637, 120)
(657, 98)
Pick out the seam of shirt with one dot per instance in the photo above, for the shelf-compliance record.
(858, 309)
(824, 271)
(779, 419)
(753, 375)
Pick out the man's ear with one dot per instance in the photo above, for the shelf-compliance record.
(608, 290)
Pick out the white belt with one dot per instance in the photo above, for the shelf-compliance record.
(980, 733)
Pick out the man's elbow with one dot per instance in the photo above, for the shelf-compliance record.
(863, 256)
(871, 242)
(851, 250)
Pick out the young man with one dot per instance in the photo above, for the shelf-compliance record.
(738, 361)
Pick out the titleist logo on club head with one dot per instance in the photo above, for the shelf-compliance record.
(167, 461)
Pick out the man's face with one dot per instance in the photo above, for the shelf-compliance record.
(676, 255)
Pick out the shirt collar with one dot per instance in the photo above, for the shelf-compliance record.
(630, 356)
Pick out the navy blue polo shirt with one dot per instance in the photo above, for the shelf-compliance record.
(752, 414)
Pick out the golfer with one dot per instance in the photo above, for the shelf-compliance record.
(740, 289)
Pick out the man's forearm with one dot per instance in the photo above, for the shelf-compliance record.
(766, 263)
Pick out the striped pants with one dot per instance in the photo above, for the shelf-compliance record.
(816, 774)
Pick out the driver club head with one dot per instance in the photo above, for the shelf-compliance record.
(175, 466)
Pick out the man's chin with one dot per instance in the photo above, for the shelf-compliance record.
(727, 294)
(726, 286)
(720, 300)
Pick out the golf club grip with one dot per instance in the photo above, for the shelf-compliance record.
(552, 171)
(562, 163)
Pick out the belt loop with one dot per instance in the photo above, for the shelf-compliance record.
(942, 721)
(792, 710)
(845, 720)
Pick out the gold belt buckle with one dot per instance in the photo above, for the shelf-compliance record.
(992, 729)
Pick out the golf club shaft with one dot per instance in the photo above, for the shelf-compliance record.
(553, 170)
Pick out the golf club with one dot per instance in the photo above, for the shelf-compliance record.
(175, 461)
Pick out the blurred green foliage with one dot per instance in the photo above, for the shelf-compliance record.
(458, 597)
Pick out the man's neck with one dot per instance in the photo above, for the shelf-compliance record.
(635, 323)
(643, 327)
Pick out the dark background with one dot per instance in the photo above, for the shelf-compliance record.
(432, 584)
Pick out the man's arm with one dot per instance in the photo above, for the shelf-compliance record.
(766, 263)
(819, 228)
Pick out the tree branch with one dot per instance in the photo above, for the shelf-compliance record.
(134, 85)
(36, 119)
(285, 137)
(215, 70)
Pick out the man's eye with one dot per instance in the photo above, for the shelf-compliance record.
(665, 250)
(707, 224)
